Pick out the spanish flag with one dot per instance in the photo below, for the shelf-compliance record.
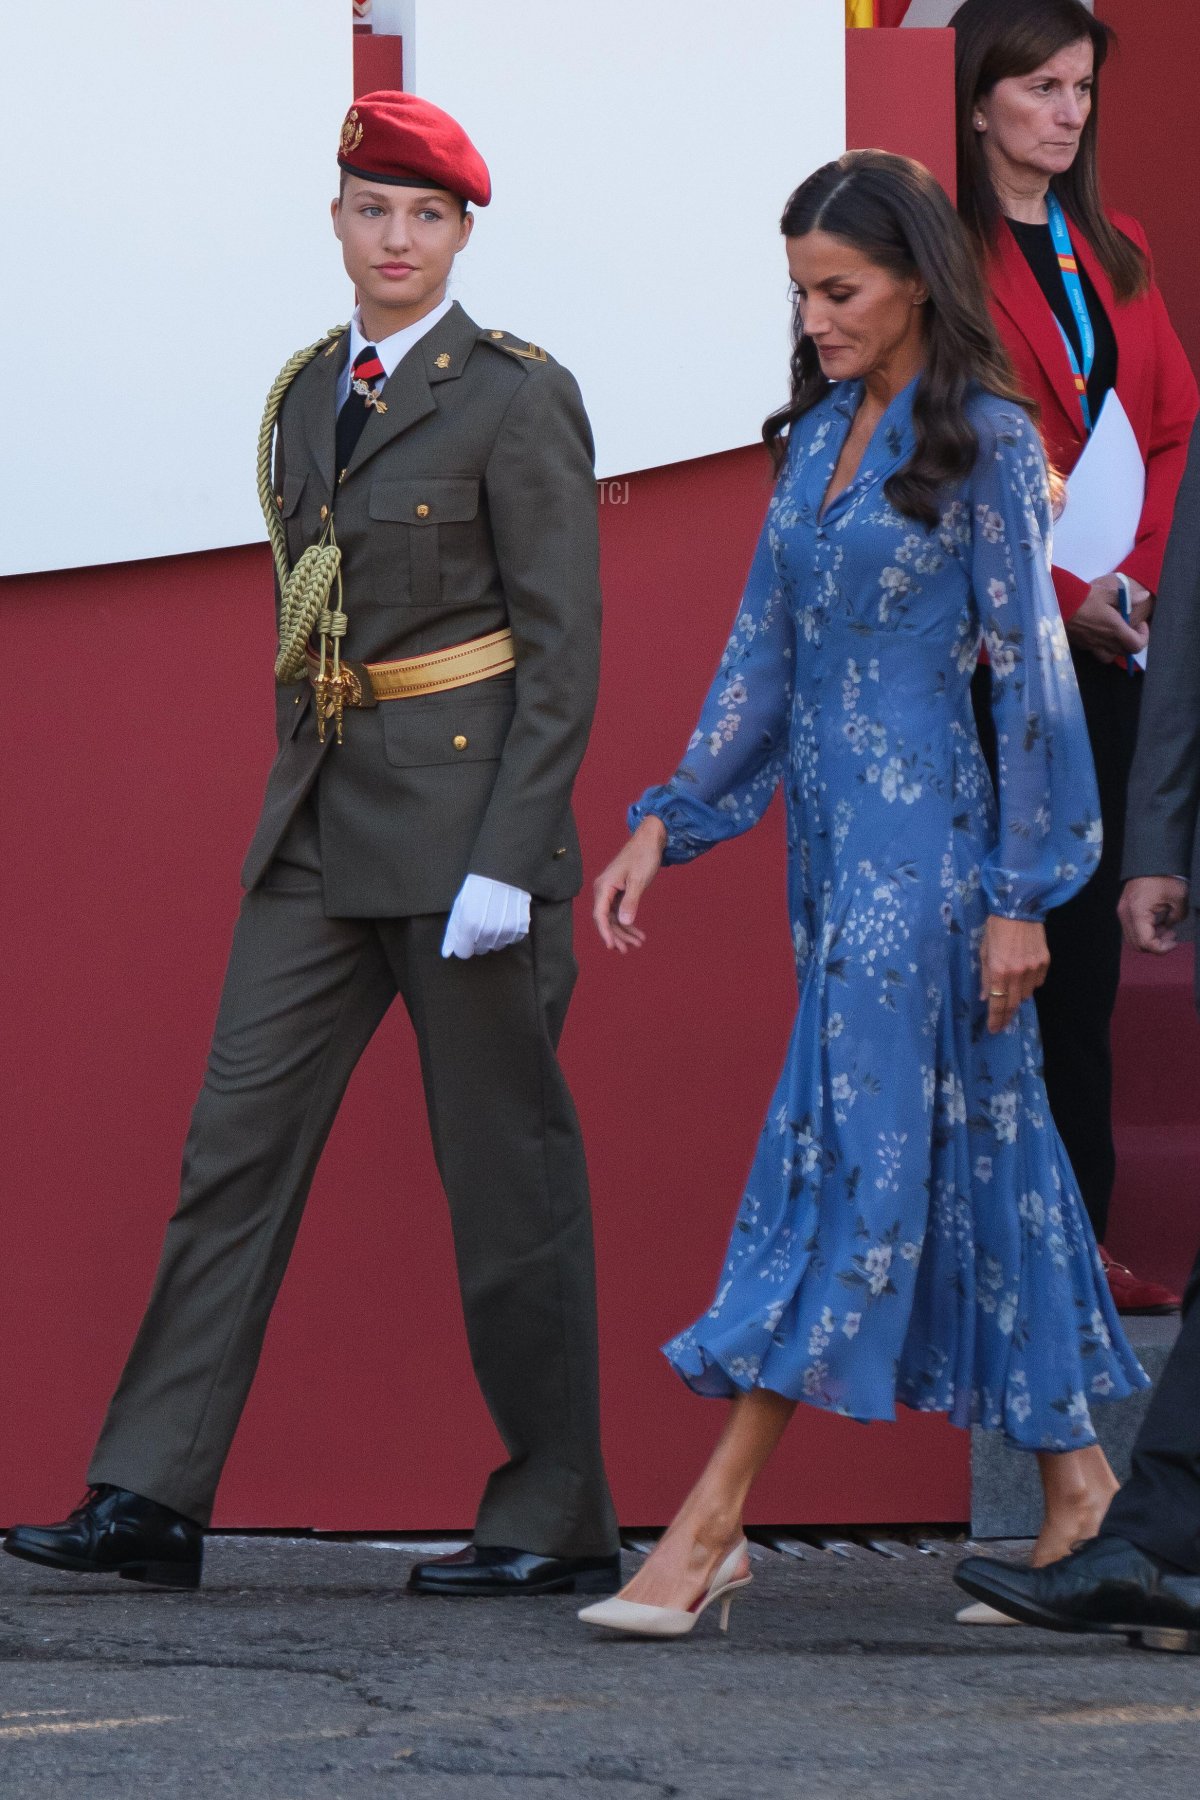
(860, 12)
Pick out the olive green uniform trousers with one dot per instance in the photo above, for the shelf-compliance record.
(303, 994)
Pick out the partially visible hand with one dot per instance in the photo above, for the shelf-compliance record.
(1141, 602)
(1099, 627)
(620, 888)
(1151, 907)
(1015, 961)
(487, 915)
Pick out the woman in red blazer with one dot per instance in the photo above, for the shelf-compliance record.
(1079, 318)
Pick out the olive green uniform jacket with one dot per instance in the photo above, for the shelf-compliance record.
(468, 505)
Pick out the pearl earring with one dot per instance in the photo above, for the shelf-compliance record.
(980, 122)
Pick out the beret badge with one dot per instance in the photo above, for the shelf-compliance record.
(352, 131)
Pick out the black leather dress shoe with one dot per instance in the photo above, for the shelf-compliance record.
(1106, 1585)
(492, 1570)
(115, 1532)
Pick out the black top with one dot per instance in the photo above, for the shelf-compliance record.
(1037, 246)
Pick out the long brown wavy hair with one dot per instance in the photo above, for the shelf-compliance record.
(996, 39)
(893, 212)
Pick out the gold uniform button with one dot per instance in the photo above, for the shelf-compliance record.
(561, 851)
(324, 512)
(296, 701)
(460, 742)
(279, 501)
(422, 511)
(497, 334)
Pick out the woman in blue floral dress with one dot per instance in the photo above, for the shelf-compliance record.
(911, 1230)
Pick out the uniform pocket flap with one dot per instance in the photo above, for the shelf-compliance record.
(293, 487)
(416, 735)
(442, 500)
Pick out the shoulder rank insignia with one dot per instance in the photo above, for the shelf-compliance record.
(527, 352)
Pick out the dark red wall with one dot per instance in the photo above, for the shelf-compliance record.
(128, 800)
(1150, 142)
(378, 62)
(899, 86)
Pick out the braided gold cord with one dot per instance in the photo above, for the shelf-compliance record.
(303, 591)
(303, 600)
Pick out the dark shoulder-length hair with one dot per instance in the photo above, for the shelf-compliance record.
(996, 39)
(892, 211)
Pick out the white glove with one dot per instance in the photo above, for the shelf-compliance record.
(488, 915)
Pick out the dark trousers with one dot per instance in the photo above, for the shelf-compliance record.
(1076, 1004)
(1159, 1506)
(303, 994)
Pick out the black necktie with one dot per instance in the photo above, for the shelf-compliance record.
(366, 378)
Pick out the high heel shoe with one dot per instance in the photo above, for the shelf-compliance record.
(639, 1620)
(982, 1614)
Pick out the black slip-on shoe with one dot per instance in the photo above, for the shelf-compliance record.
(1106, 1586)
(494, 1570)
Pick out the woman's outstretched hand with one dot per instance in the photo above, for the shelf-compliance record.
(1015, 960)
(620, 888)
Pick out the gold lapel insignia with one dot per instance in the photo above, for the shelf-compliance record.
(442, 361)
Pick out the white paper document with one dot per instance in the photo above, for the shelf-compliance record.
(1099, 522)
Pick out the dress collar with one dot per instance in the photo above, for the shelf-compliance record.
(890, 445)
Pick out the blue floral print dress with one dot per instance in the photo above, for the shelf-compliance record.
(911, 1229)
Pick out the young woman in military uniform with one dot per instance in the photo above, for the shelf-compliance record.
(431, 502)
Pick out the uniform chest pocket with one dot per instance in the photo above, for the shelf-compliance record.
(412, 519)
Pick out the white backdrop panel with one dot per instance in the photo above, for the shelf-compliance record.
(641, 155)
(165, 173)
(167, 249)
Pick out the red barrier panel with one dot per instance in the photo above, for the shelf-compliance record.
(1150, 143)
(378, 62)
(900, 96)
(137, 792)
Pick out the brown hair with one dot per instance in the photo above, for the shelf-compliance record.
(996, 39)
(894, 213)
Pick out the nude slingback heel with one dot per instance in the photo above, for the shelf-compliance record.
(639, 1620)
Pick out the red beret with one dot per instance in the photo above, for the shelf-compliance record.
(406, 141)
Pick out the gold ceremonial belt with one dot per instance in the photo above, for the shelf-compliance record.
(436, 673)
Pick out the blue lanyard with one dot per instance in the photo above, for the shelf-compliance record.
(1069, 267)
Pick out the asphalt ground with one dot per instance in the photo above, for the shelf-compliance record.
(302, 1671)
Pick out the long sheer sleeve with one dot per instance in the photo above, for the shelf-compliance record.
(735, 758)
(1049, 830)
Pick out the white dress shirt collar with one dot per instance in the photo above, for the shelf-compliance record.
(391, 349)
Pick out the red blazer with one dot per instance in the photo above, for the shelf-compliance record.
(1154, 381)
